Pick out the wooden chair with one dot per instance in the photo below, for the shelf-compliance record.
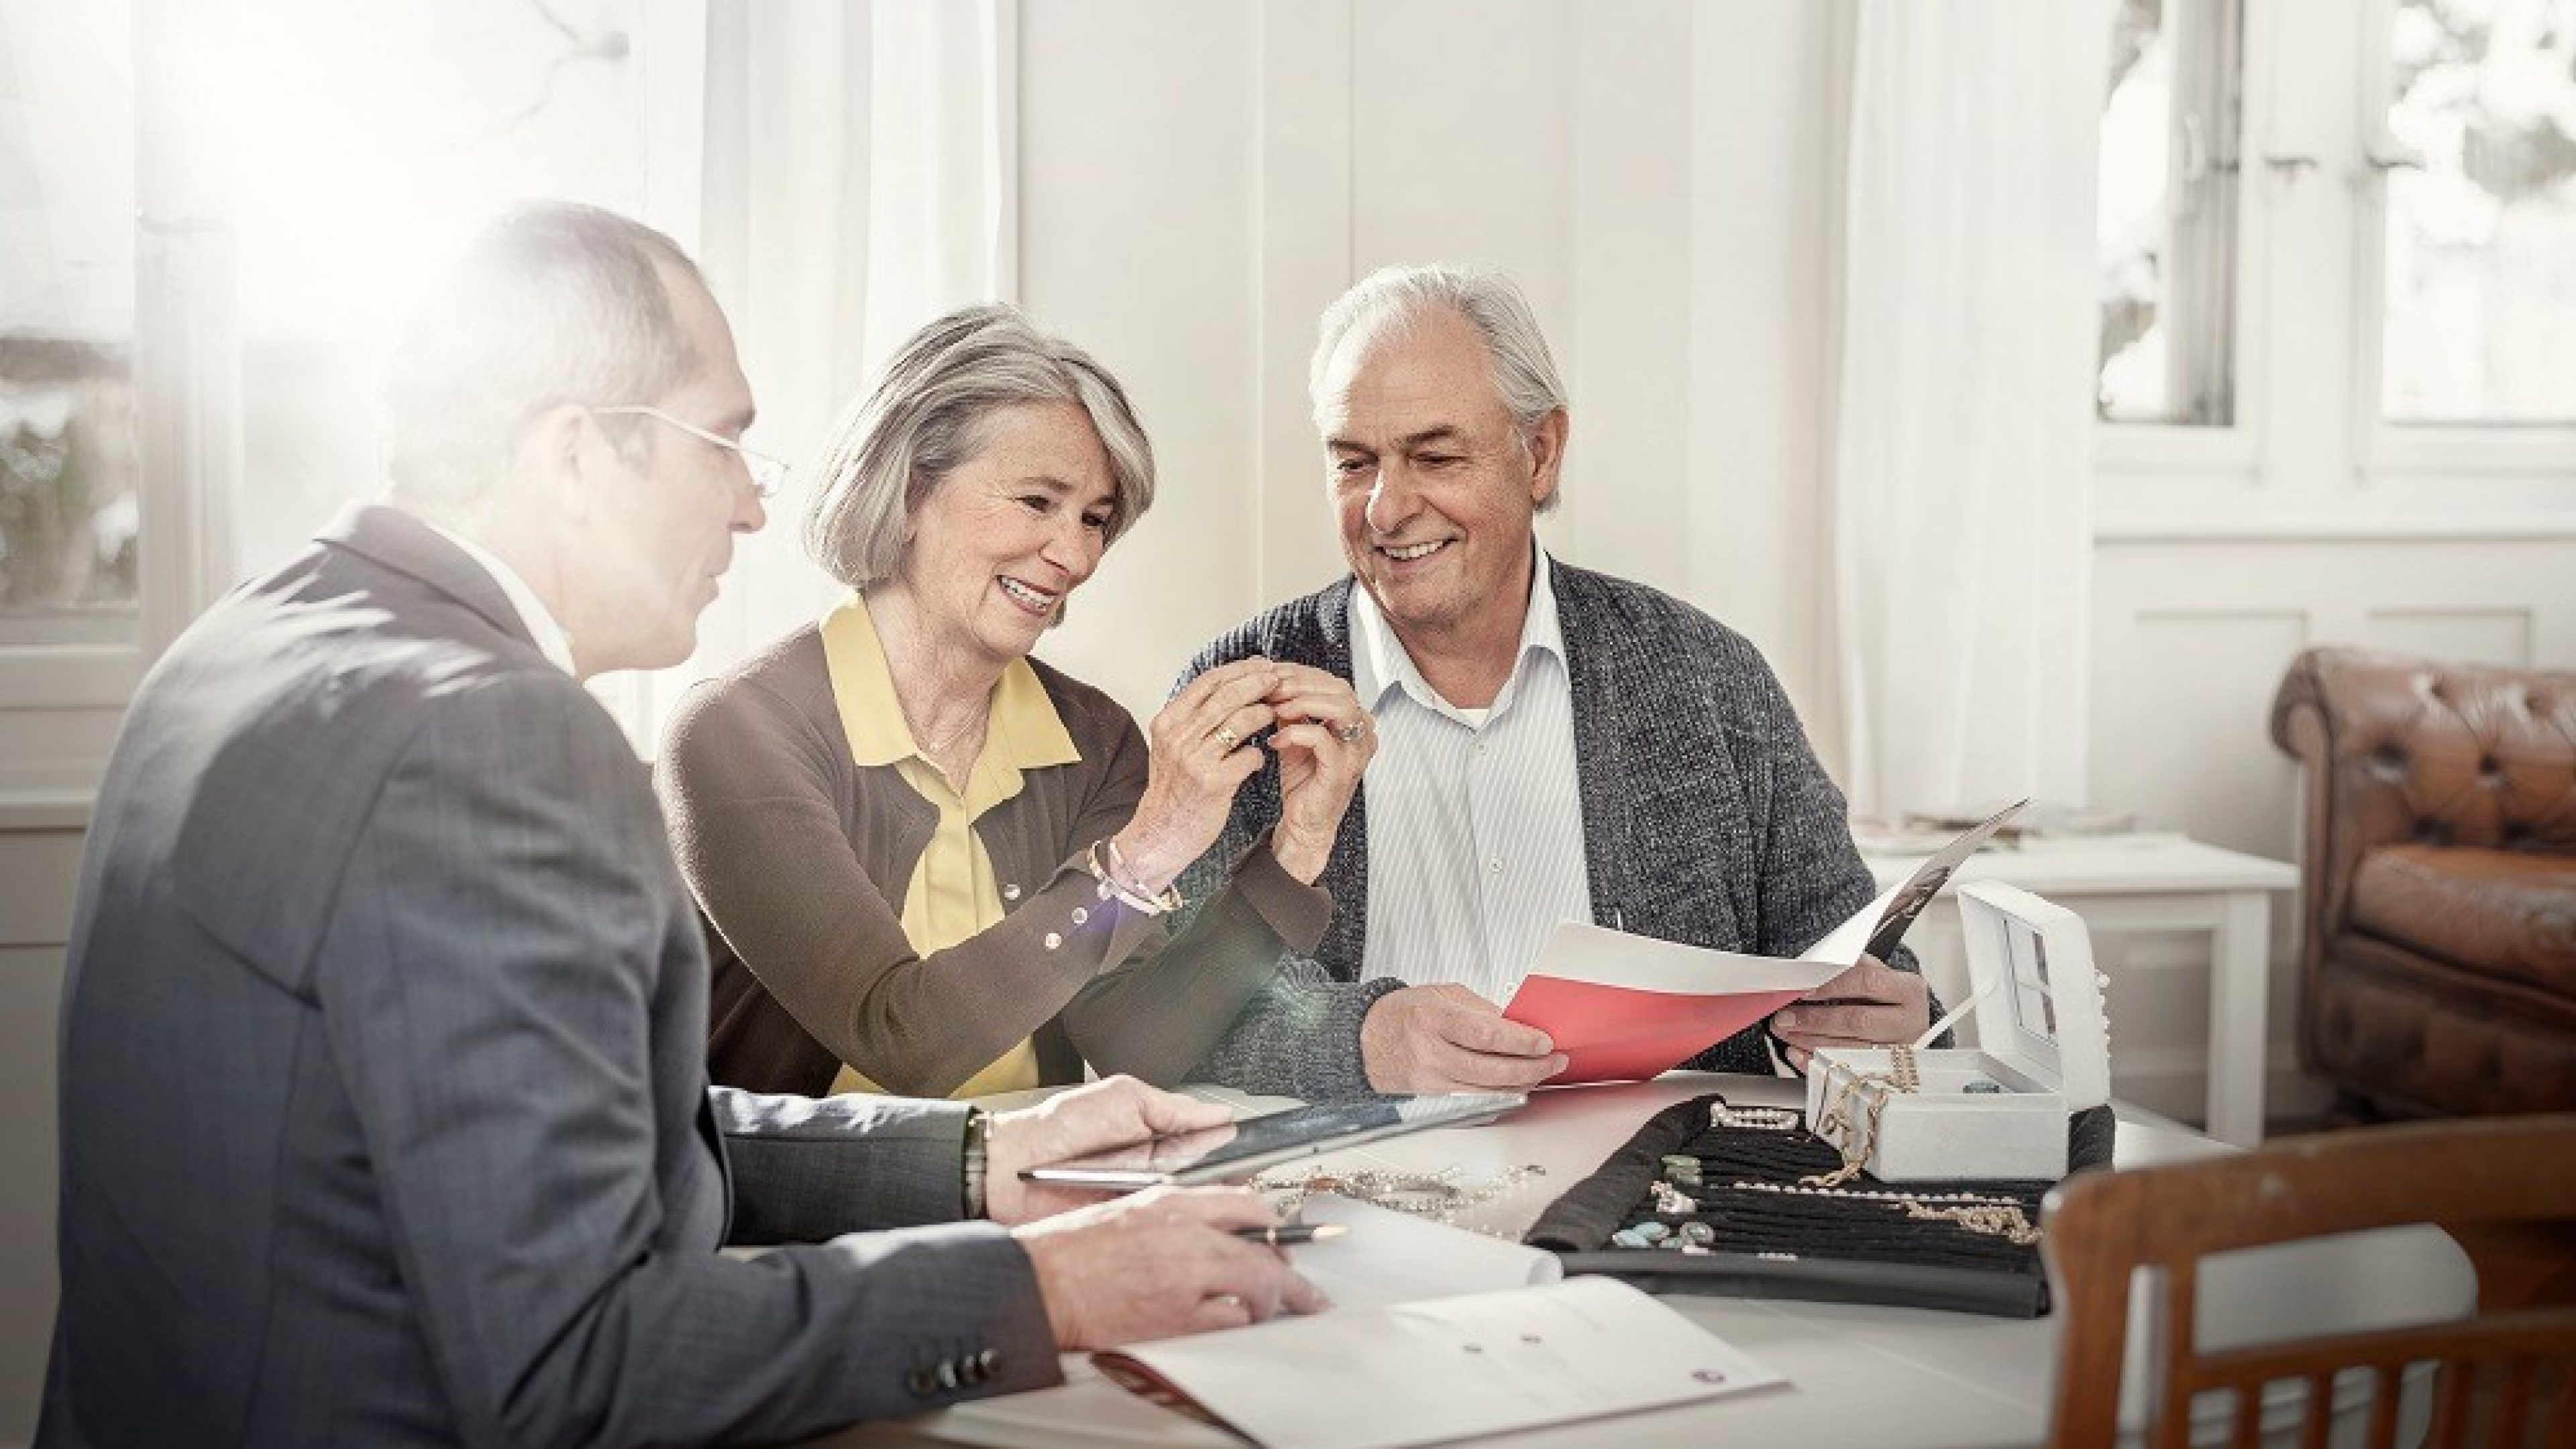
(2504, 1376)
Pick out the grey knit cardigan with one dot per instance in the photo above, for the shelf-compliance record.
(1707, 819)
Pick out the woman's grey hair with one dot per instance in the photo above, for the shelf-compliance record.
(1392, 299)
(555, 303)
(929, 414)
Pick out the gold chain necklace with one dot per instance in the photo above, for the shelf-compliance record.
(1860, 1134)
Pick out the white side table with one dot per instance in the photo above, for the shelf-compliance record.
(2165, 885)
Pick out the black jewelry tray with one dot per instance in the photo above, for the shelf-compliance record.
(1775, 1239)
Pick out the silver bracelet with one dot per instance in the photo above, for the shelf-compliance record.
(1111, 873)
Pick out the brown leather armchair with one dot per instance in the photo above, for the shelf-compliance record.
(2437, 940)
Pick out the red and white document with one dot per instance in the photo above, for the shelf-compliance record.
(1626, 1008)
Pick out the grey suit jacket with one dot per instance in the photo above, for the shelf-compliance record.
(384, 1106)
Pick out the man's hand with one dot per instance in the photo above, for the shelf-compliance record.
(1446, 1038)
(1094, 1118)
(1161, 1263)
(1871, 1005)
(1323, 742)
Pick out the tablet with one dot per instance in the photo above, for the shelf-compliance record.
(1239, 1149)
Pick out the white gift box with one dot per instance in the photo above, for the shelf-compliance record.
(2042, 1040)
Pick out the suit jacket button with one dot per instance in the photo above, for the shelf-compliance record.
(948, 1374)
(990, 1362)
(922, 1382)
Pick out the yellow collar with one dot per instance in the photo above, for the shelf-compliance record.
(1024, 732)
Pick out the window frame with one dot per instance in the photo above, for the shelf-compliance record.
(2383, 449)
(2411, 461)
(186, 376)
(2235, 446)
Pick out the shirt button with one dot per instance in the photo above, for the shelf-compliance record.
(1010, 892)
(1495, 865)
(1053, 940)
(1080, 915)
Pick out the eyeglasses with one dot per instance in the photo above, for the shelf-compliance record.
(768, 475)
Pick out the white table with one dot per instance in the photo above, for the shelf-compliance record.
(2176, 885)
(1860, 1377)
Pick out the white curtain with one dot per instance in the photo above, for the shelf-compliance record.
(1960, 525)
(852, 182)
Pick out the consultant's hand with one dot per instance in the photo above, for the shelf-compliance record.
(1202, 752)
(1161, 1263)
(1323, 742)
(1871, 1005)
(1446, 1038)
(1109, 1113)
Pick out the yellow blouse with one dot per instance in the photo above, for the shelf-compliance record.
(953, 894)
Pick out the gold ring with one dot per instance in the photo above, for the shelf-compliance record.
(1225, 735)
(1350, 730)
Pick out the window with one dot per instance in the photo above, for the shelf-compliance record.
(375, 140)
(68, 462)
(2338, 250)
(2480, 217)
(2168, 214)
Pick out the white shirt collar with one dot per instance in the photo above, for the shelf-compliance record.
(551, 639)
(1379, 661)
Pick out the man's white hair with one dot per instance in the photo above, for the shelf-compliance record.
(1392, 299)
(556, 303)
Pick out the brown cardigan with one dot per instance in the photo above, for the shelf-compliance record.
(800, 857)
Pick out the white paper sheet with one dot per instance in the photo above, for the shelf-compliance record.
(1388, 1258)
(1450, 1368)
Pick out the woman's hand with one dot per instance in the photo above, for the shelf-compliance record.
(1324, 742)
(1203, 752)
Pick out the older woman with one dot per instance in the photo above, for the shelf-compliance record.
(935, 865)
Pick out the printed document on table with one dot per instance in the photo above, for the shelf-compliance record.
(1449, 1368)
(1626, 1008)
(1386, 1258)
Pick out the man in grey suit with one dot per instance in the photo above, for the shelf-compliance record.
(384, 1103)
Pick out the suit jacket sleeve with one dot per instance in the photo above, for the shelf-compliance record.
(806, 1169)
(500, 959)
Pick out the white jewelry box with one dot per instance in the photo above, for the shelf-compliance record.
(2041, 1039)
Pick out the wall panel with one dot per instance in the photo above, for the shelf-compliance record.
(1197, 181)
(2191, 637)
(36, 873)
(2462, 636)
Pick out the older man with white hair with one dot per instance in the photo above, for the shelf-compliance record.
(1555, 743)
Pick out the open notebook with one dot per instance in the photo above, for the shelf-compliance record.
(1390, 1364)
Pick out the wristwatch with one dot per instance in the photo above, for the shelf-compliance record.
(977, 1123)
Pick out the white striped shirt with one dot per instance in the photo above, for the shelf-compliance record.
(1475, 820)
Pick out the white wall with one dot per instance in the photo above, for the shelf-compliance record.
(1197, 181)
